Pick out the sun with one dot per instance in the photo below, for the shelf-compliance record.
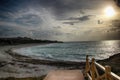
(109, 11)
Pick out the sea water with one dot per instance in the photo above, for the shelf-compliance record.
(72, 51)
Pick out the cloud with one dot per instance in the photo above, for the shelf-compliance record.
(115, 27)
(82, 18)
(82, 12)
(73, 20)
(57, 27)
(29, 20)
(117, 2)
(30, 23)
(10, 31)
(45, 34)
(46, 19)
(70, 23)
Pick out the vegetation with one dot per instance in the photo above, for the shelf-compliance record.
(23, 40)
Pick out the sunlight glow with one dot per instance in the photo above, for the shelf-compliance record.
(109, 11)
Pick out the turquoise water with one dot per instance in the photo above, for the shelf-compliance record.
(72, 51)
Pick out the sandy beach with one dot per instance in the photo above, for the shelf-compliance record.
(15, 65)
(10, 67)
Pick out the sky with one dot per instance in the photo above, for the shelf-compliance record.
(62, 20)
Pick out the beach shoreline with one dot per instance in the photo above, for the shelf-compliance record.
(12, 59)
(10, 67)
(21, 65)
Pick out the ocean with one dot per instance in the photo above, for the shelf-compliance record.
(72, 51)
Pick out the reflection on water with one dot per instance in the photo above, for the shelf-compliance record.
(108, 47)
(75, 51)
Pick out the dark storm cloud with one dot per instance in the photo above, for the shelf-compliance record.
(8, 31)
(61, 7)
(29, 20)
(58, 6)
(82, 12)
(71, 23)
(115, 23)
(70, 4)
(57, 27)
(115, 26)
(83, 18)
(37, 18)
(117, 2)
(12, 5)
(4, 16)
(73, 20)
(111, 31)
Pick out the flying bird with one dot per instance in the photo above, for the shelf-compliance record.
(100, 22)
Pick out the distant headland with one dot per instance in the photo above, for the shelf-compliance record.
(23, 40)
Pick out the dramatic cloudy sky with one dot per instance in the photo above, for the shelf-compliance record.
(64, 20)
